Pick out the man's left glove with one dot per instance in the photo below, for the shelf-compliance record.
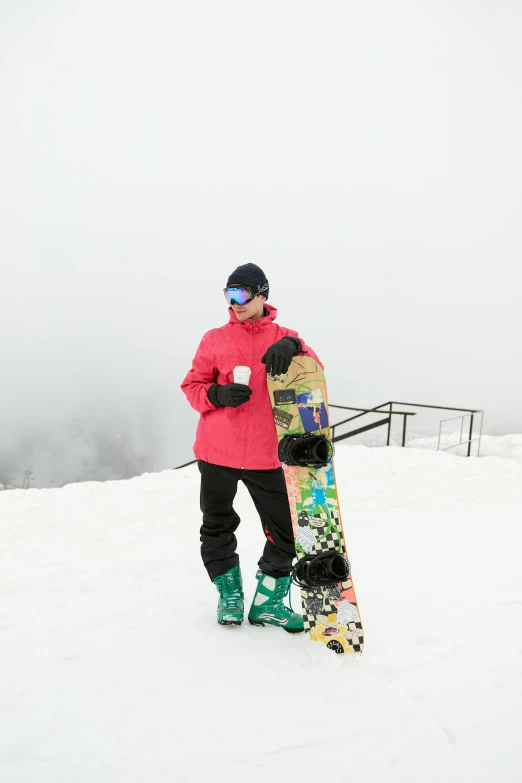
(280, 354)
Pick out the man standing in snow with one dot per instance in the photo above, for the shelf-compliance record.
(236, 440)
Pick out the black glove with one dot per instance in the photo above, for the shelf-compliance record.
(231, 394)
(280, 354)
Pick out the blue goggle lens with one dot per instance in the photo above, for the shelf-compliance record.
(238, 295)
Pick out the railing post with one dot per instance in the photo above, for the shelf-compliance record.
(405, 418)
(470, 435)
(389, 425)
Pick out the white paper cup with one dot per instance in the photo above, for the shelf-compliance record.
(242, 375)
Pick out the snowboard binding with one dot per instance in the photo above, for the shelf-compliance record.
(305, 450)
(323, 570)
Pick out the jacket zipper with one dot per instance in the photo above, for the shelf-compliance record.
(248, 413)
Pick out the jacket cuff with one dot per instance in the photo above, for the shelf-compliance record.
(212, 393)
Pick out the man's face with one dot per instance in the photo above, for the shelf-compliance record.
(252, 309)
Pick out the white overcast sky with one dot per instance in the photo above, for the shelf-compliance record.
(367, 156)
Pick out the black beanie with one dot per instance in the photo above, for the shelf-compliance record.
(251, 275)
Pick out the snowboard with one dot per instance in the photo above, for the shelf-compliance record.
(299, 402)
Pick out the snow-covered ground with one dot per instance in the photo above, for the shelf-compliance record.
(113, 669)
(507, 446)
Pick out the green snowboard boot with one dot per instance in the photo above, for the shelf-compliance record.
(268, 607)
(231, 602)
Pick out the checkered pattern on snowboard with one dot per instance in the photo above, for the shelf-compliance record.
(327, 544)
(310, 620)
(324, 607)
(357, 642)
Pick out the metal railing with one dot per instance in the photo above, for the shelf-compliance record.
(472, 412)
(461, 442)
(186, 464)
(373, 425)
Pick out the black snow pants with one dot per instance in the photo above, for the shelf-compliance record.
(220, 522)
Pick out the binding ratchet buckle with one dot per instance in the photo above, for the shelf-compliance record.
(305, 450)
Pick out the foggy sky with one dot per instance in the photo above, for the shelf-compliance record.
(366, 156)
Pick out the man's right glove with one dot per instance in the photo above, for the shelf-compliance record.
(231, 394)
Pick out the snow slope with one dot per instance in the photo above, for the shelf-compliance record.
(113, 669)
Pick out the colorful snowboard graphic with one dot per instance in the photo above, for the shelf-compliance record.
(300, 404)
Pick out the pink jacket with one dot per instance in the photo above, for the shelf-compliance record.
(242, 437)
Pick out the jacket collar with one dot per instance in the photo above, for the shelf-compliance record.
(263, 321)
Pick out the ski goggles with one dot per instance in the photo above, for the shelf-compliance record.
(242, 294)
